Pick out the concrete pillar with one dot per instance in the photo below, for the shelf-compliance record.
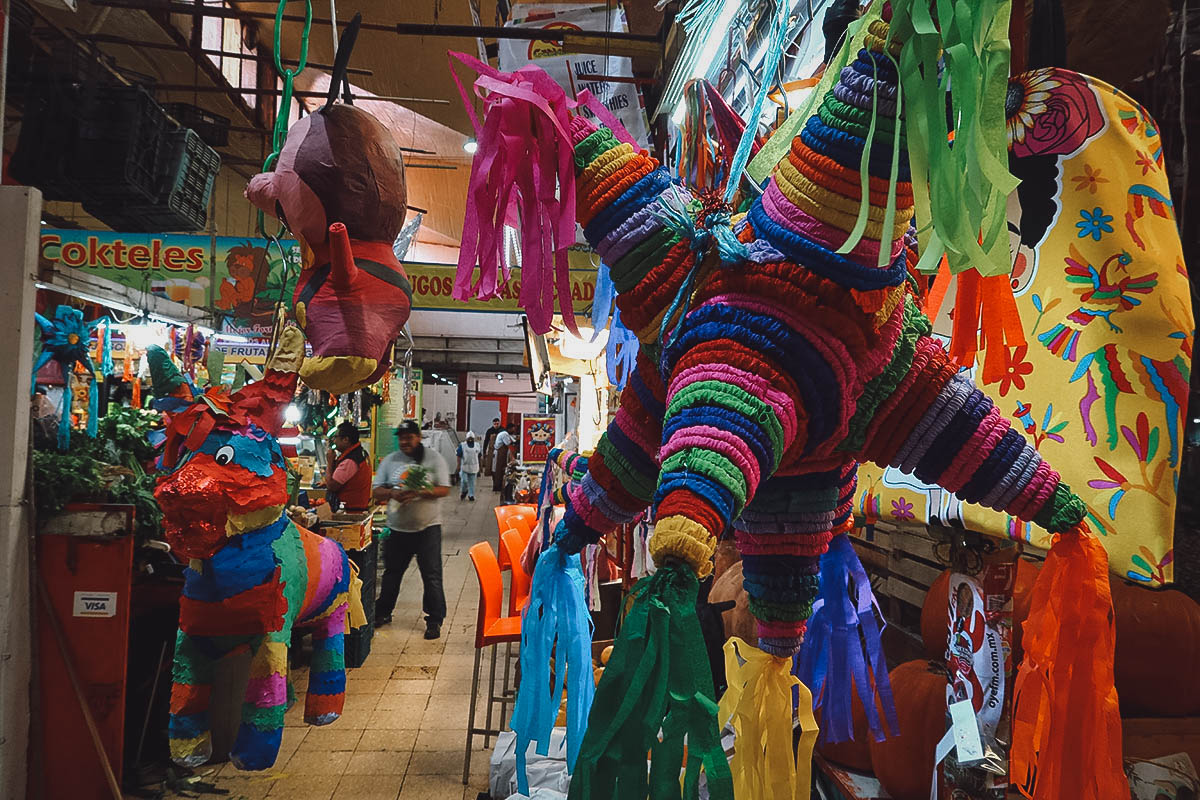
(463, 421)
(20, 217)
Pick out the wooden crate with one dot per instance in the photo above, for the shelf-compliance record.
(351, 531)
(902, 565)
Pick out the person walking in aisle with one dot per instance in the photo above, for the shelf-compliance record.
(489, 438)
(412, 482)
(469, 454)
(503, 447)
(349, 479)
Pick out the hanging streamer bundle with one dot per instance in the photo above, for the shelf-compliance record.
(555, 625)
(65, 340)
(519, 181)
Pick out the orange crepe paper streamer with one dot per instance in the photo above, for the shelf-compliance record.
(985, 317)
(1066, 723)
(937, 294)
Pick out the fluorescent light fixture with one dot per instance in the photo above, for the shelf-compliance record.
(142, 335)
(231, 337)
(470, 146)
(91, 298)
(567, 381)
(436, 377)
(583, 347)
(500, 377)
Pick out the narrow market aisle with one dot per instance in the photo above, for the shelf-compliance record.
(403, 731)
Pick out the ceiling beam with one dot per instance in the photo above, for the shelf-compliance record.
(617, 43)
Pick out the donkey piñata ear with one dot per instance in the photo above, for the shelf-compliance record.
(264, 401)
(165, 378)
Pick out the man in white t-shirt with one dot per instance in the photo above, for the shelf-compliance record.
(412, 481)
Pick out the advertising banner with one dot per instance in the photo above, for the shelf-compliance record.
(240, 279)
(575, 71)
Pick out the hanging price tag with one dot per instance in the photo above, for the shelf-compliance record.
(966, 733)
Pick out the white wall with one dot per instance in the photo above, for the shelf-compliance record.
(20, 212)
(441, 399)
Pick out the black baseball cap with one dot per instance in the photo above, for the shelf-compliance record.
(408, 426)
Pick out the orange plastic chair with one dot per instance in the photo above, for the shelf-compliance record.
(518, 589)
(491, 629)
(505, 518)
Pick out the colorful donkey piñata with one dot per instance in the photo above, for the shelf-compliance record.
(339, 186)
(775, 356)
(254, 576)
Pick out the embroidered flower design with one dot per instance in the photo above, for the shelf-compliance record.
(1051, 112)
(902, 509)
(1094, 223)
(1015, 371)
(1146, 163)
(1149, 568)
(1090, 180)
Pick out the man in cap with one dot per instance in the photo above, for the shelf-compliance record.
(412, 482)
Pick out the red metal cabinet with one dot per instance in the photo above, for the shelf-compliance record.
(88, 582)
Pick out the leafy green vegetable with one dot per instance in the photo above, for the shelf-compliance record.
(416, 479)
(107, 469)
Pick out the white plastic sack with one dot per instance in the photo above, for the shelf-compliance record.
(540, 794)
(545, 772)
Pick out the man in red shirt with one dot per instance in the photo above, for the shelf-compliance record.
(349, 477)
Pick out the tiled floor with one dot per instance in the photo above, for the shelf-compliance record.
(403, 732)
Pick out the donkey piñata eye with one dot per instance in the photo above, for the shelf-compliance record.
(224, 455)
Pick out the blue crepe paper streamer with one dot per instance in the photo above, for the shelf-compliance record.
(556, 622)
(833, 652)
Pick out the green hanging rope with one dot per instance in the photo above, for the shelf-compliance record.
(279, 131)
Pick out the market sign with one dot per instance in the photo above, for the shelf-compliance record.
(433, 286)
(240, 279)
(575, 72)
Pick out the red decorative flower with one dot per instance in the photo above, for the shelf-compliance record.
(1051, 112)
(1016, 370)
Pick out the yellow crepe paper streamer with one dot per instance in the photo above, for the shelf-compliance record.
(758, 703)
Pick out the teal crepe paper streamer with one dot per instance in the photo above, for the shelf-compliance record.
(555, 623)
(64, 411)
(93, 421)
(106, 362)
(774, 53)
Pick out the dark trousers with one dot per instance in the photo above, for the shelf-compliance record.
(398, 550)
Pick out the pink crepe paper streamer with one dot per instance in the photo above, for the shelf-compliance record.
(522, 174)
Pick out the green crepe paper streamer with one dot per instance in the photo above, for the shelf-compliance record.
(165, 377)
(658, 679)
(289, 555)
(239, 376)
(864, 175)
(960, 192)
(216, 363)
(780, 142)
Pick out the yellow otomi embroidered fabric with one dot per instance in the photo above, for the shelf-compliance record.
(1101, 385)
